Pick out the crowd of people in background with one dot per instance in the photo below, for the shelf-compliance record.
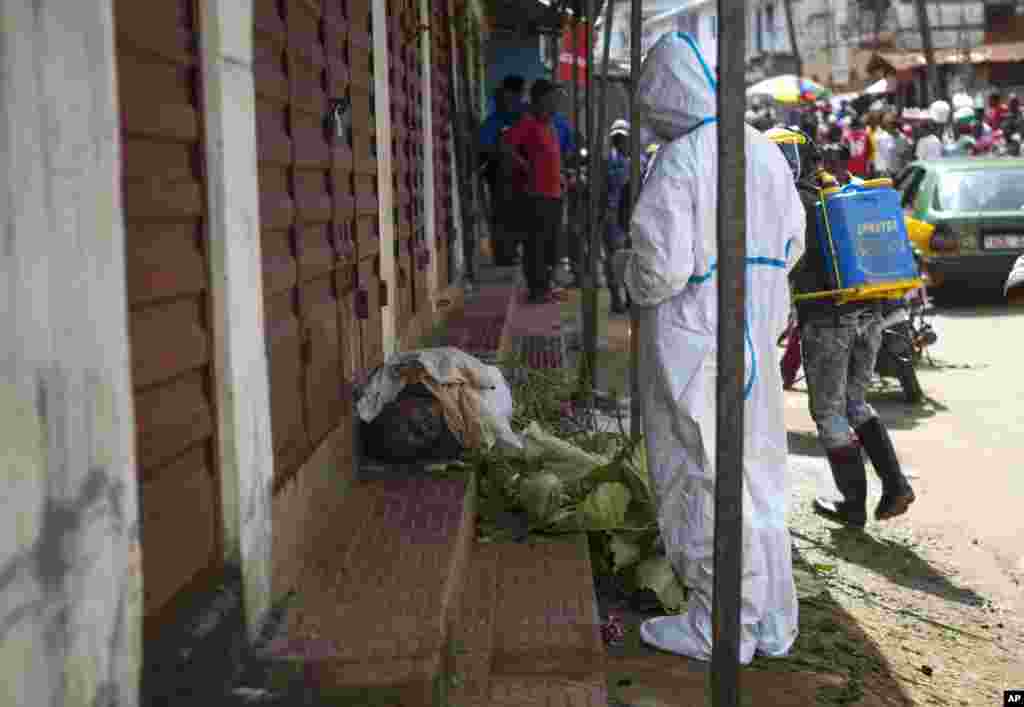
(881, 141)
(530, 162)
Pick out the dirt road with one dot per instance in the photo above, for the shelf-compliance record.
(966, 444)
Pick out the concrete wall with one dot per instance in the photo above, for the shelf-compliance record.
(70, 570)
(512, 55)
(70, 557)
(236, 269)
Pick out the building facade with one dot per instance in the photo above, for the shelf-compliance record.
(221, 215)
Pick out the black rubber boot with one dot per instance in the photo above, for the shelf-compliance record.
(897, 495)
(851, 479)
(618, 306)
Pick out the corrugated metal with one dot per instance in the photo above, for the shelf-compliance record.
(408, 158)
(444, 231)
(163, 184)
(318, 199)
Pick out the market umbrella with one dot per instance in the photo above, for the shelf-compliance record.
(789, 89)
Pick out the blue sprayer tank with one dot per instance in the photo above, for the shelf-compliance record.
(863, 238)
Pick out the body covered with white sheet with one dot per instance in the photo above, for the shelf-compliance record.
(671, 275)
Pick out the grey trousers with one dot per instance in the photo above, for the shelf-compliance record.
(839, 362)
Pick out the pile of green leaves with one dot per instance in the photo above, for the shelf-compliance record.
(572, 478)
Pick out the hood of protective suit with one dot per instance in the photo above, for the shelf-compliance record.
(676, 88)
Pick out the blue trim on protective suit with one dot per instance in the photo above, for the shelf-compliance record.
(700, 57)
(756, 260)
(753, 359)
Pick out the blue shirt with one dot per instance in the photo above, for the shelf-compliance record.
(499, 120)
(565, 137)
(495, 124)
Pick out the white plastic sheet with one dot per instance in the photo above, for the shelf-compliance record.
(446, 366)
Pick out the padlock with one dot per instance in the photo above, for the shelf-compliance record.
(362, 304)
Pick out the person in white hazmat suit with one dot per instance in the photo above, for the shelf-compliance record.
(671, 275)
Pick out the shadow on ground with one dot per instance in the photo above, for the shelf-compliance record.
(895, 561)
(834, 662)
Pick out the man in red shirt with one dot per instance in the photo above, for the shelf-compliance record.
(997, 110)
(532, 145)
(859, 143)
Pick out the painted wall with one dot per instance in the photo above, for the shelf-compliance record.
(70, 570)
(512, 55)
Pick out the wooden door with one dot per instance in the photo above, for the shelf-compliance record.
(168, 280)
(313, 201)
(444, 225)
(411, 258)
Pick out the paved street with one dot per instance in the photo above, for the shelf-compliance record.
(965, 444)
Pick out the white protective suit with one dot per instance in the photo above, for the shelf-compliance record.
(670, 273)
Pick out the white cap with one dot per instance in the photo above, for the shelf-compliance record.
(619, 127)
(939, 112)
(963, 113)
(962, 100)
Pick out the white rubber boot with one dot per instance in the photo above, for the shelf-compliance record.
(689, 634)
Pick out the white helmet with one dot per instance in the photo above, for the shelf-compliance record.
(619, 127)
(962, 100)
(939, 112)
(963, 113)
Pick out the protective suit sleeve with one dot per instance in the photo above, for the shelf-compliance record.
(662, 259)
(795, 221)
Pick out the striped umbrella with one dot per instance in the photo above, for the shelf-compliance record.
(789, 89)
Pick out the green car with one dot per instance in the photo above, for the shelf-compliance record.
(977, 208)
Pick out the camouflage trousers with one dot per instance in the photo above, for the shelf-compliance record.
(839, 362)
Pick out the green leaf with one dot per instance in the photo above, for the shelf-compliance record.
(624, 551)
(541, 495)
(657, 575)
(605, 506)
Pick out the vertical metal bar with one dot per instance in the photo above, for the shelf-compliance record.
(934, 87)
(588, 274)
(636, 23)
(572, 232)
(597, 184)
(732, 281)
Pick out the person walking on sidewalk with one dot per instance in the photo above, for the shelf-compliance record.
(839, 345)
(671, 275)
(616, 207)
(532, 145)
(505, 191)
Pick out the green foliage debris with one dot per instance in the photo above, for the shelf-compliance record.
(571, 477)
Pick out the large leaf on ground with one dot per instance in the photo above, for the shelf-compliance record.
(605, 507)
(656, 574)
(624, 551)
(537, 443)
(541, 495)
(635, 467)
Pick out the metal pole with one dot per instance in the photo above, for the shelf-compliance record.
(732, 280)
(597, 184)
(933, 88)
(588, 274)
(572, 232)
(636, 23)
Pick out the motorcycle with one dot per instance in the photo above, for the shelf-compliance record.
(906, 336)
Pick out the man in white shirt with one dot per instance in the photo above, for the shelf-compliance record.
(930, 146)
(886, 146)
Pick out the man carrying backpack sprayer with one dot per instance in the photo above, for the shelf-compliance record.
(840, 343)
